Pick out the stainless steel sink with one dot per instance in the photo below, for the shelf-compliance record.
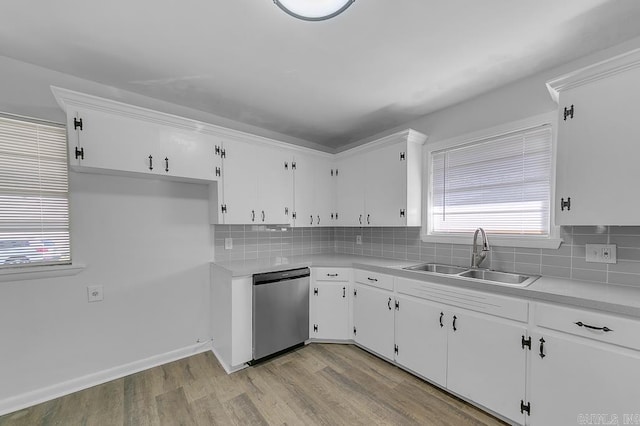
(437, 268)
(499, 277)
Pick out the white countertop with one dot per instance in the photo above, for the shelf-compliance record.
(606, 297)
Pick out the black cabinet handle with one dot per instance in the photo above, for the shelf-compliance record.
(311, 220)
(372, 279)
(360, 219)
(344, 292)
(318, 219)
(166, 164)
(389, 303)
(151, 162)
(253, 215)
(263, 215)
(332, 275)
(581, 324)
(542, 355)
(368, 219)
(454, 323)
(441, 315)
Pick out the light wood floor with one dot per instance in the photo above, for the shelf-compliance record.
(319, 384)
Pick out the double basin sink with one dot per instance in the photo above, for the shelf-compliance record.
(494, 277)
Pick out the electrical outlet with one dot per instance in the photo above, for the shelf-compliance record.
(228, 243)
(95, 293)
(601, 253)
(358, 239)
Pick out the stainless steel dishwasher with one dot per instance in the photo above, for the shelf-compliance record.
(280, 312)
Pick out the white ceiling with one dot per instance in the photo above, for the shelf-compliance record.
(380, 64)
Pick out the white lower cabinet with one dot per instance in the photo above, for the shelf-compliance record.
(580, 373)
(421, 338)
(487, 361)
(329, 311)
(373, 319)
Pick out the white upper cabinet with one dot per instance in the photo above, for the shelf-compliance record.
(313, 190)
(111, 137)
(380, 184)
(257, 184)
(597, 147)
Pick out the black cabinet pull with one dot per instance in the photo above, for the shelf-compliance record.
(166, 164)
(151, 162)
(311, 220)
(454, 323)
(581, 324)
(372, 279)
(360, 219)
(263, 215)
(542, 355)
(389, 303)
(318, 219)
(441, 315)
(253, 215)
(332, 275)
(344, 292)
(368, 219)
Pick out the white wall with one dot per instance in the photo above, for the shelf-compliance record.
(148, 242)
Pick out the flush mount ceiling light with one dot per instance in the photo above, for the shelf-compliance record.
(313, 10)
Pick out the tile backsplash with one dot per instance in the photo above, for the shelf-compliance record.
(568, 261)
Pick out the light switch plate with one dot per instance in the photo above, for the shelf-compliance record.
(601, 253)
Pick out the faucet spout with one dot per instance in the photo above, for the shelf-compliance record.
(479, 255)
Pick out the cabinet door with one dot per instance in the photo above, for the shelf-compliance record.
(350, 191)
(324, 192)
(597, 152)
(578, 378)
(185, 153)
(329, 311)
(486, 362)
(275, 185)
(421, 338)
(240, 183)
(386, 186)
(373, 319)
(111, 142)
(313, 191)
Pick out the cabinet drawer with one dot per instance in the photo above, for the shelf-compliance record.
(374, 279)
(332, 274)
(622, 331)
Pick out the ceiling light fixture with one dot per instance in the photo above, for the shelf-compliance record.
(314, 10)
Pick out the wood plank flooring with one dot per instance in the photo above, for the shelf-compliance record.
(319, 384)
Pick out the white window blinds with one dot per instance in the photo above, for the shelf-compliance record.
(34, 195)
(502, 184)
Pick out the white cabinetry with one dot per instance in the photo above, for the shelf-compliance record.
(578, 372)
(111, 137)
(329, 304)
(597, 146)
(380, 184)
(313, 190)
(257, 184)
(373, 319)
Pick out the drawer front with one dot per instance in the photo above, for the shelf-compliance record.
(332, 274)
(492, 304)
(374, 279)
(603, 327)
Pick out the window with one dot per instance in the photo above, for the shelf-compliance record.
(502, 183)
(34, 194)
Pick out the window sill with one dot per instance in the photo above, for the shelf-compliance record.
(39, 272)
(500, 241)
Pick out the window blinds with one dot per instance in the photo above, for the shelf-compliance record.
(502, 184)
(34, 195)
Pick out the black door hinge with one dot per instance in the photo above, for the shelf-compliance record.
(395, 349)
(568, 112)
(402, 156)
(217, 150)
(286, 165)
(218, 171)
(564, 204)
(526, 342)
(397, 305)
(315, 328)
(223, 154)
(524, 407)
(293, 165)
(223, 208)
(294, 215)
(402, 212)
(354, 331)
(355, 292)
(286, 211)
(77, 123)
(315, 291)
(80, 153)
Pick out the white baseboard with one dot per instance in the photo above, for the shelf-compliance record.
(227, 368)
(38, 396)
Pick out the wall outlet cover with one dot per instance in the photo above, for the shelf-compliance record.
(358, 239)
(228, 243)
(95, 293)
(601, 253)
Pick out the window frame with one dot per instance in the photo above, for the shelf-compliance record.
(552, 241)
